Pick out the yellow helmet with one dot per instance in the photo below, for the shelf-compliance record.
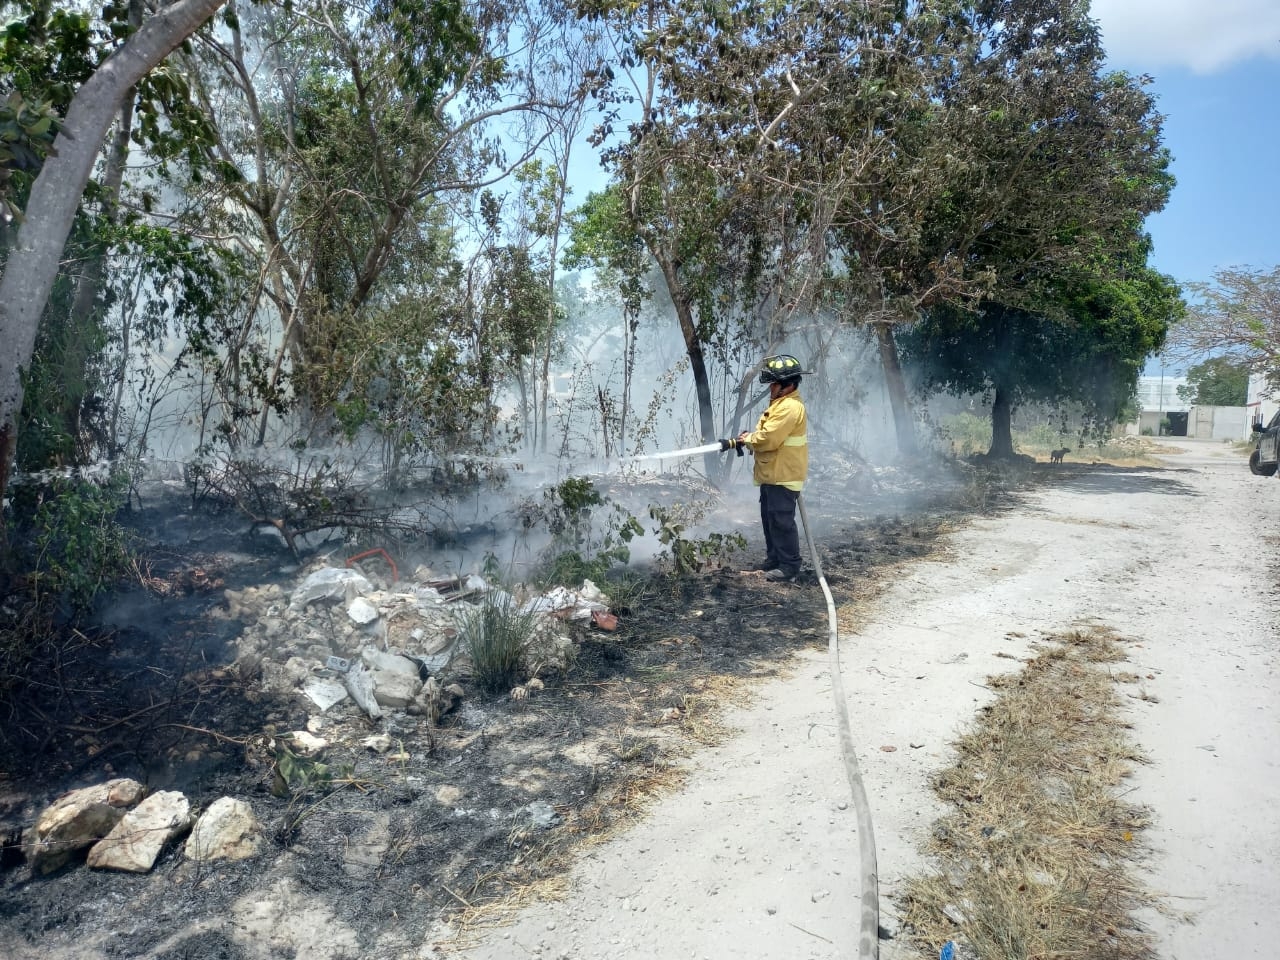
(783, 369)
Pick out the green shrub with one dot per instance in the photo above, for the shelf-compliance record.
(80, 549)
(687, 554)
(589, 532)
(496, 636)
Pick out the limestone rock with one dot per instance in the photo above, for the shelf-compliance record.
(79, 819)
(361, 611)
(136, 841)
(395, 690)
(228, 830)
(307, 744)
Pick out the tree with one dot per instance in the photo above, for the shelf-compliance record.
(1051, 161)
(1237, 314)
(1084, 342)
(1217, 382)
(32, 264)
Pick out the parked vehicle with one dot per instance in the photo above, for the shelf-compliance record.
(1266, 452)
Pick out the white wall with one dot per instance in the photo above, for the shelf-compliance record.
(1218, 423)
(1261, 404)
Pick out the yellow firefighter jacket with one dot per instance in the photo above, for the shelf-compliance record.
(780, 444)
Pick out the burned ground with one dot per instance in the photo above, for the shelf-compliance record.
(461, 817)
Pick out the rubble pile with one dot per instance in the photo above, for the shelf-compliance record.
(352, 649)
(344, 635)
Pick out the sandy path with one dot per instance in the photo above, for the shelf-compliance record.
(757, 856)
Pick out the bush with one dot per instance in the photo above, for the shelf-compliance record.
(79, 548)
(496, 635)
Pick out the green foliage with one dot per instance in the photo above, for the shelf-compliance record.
(1218, 381)
(1085, 342)
(79, 547)
(296, 774)
(692, 555)
(589, 532)
(496, 636)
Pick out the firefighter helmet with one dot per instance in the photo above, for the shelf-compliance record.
(782, 369)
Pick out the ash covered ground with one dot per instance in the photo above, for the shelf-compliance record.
(382, 852)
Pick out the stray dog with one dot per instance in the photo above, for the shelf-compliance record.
(1055, 456)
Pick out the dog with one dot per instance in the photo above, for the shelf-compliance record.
(1055, 456)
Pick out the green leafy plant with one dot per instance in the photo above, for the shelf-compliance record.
(688, 554)
(80, 547)
(589, 532)
(496, 635)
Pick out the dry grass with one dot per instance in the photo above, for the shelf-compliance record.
(1034, 862)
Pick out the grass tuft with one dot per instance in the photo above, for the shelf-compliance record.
(496, 636)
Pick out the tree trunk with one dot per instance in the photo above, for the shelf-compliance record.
(1001, 425)
(33, 262)
(697, 363)
(902, 420)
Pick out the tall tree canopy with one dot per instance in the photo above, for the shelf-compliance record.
(1218, 381)
(1083, 341)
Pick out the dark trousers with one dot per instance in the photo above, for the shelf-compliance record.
(778, 517)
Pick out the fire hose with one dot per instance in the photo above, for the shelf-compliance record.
(869, 925)
(869, 922)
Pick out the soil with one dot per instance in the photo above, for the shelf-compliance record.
(698, 741)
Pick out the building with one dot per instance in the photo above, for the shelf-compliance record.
(1262, 403)
(1158, 401)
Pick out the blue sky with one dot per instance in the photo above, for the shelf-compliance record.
(1216, 65)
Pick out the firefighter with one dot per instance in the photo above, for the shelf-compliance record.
(781, 451)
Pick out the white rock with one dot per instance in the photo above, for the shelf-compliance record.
(136, 841)
(362, 611)
(78, 819)
(395, 690)
(228, 830)
(378, 743)
(307, 744)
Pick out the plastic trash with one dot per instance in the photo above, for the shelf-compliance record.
(948, 951)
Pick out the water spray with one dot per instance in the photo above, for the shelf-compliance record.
(679, 454)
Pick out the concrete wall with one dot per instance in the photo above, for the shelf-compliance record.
(1218, 423)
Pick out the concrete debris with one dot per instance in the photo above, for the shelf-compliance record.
(359, 683)
(568, 604)
(77, 820)
(228, 830)
(330, 583)
(136, 841)
(324, 693)
(339, 634)
(361, 611)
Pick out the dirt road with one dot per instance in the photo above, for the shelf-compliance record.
(757, 856)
